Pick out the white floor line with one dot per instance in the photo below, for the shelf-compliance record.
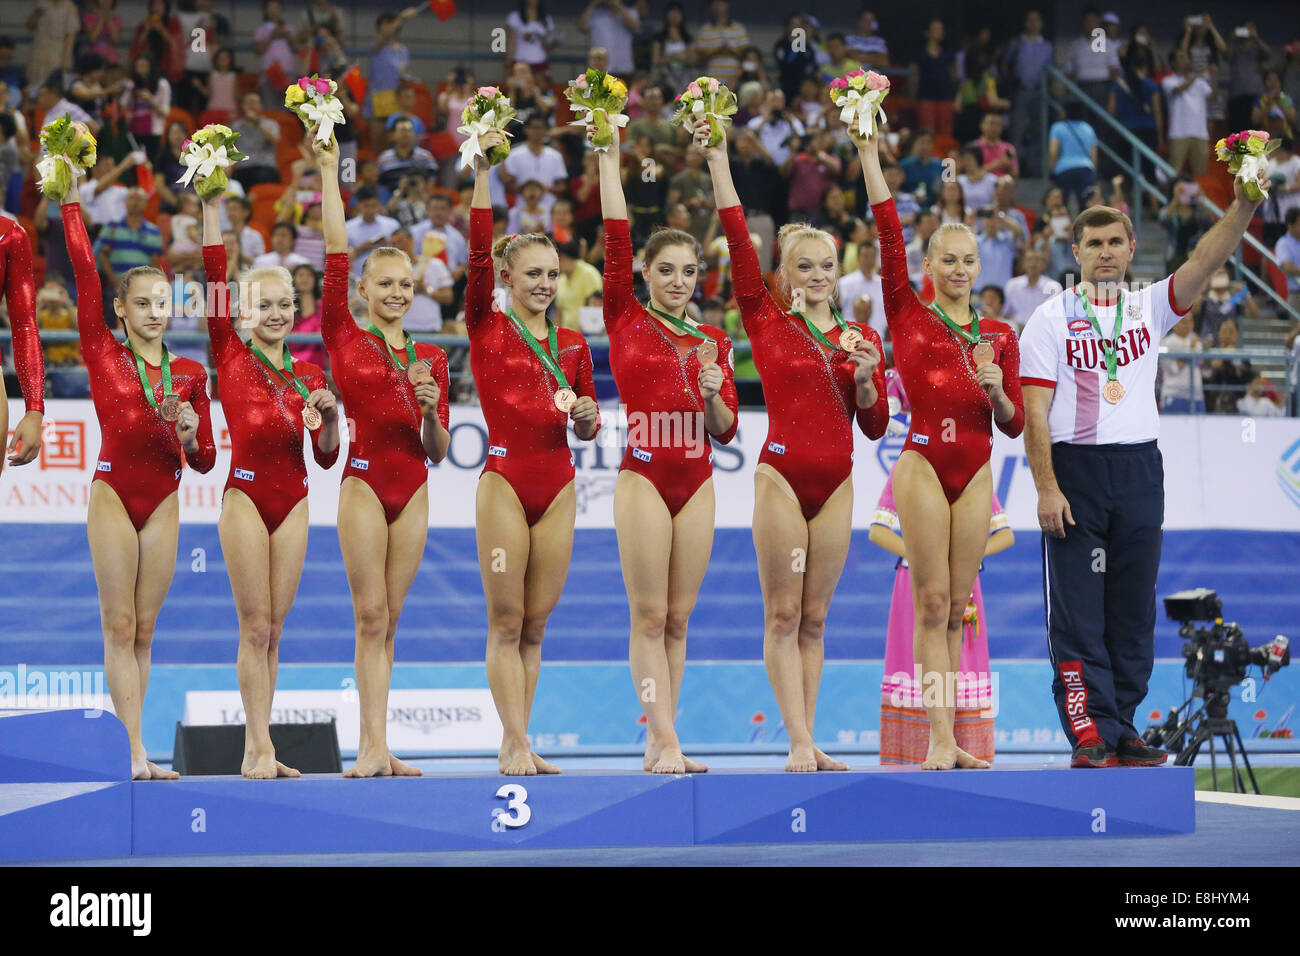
(1249, 800)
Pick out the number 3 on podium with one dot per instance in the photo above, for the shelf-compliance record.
(517, 812)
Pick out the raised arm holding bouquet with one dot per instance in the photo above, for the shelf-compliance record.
(208, 155)
(598, 98)
(70, 149)
(859, 96)
(487, 109)
(706, 99)
(1245, 154)
(312, 99)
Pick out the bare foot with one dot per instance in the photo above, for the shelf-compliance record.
(802, 759)
(828, 763)
(693, 766)
(402, 769)
(670, 761)
(968, 762)
(371, 765)
(940, 756)
(158, 773)
(260, 767)
(544, 766)
(516, 763)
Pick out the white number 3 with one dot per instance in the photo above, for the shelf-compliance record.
(517, 811)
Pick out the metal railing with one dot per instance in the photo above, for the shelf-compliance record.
(1143, 186)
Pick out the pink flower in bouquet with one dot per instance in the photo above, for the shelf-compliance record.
(323, 87)
(713, 84)
(488, 92)
(186, 144)
(304, 83)
(877, 82)
(839, 83)
(581, 82)
(677, 98)
(694, 90)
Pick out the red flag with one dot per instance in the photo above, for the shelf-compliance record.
(356, 83)
(144, 179)
(443, 9)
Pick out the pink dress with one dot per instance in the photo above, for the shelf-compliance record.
(315, 354)
(904, 727)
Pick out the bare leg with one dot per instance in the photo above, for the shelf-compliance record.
(692, 548)
(781, 541)
(924, 516)
(967, 539)
(550, 550)
(501, 530)
(407, 536)
(288, 551)
(829, 534)
(157, 566)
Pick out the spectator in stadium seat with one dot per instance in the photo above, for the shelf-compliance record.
(578, 280)
(866, 281)
(404, 157)
(1226, 379)
(405, 111)
(1181, 388)
(810, 173)
(1188, 90)
(159, 34)
(1092, 69)
(993, 304)
(998, 156)
(1274, 110)
(239, 213)
(1223, 302)
(146, 100)
(611, 25)
(535, 160)
(924, 171)
(528, 98)
(865, 44)
(257, 139)
(128, 242)
(1027, 57)
(795, 60)
(694, 187)
(102, 28)
(1184, 220)
(927, 221)
(438, 236)
(1259, 400)
(51, 102)
(368, 229)
(977, 183)
(389, 66)
(1072, 154)
(934, 79)
(54, 25)
(283, 237)
(996, 237)
(720, 43)
(1026, 292)
(840, 62)
(310, 243)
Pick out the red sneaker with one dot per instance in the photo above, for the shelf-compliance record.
(1093, 753)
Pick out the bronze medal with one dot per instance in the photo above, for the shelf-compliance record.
(565, 399)
(170, 409)
(707, 352)
(1113, 392)
(419, 371)
(311, 417)
(982, 354)
(850, 339)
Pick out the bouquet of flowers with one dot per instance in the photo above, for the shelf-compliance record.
(602, 97)
(488, 109)
(706, 98)
(313, 99)
(1244, 153)
(209, 154)
(69, 148)
(859, 95)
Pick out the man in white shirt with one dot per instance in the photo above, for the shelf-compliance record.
(612, 25)
(1088, 361)
(865, 280)
(368, 230)
(1091, 67)
(536, 160)
(775, 127)
(1027, 292)
(1181, 390)
(1255, 403)
(436, 236)
(1188, 91)
(432, 287)
(283, 237)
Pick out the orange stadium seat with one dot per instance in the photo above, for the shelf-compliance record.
(261, 228)
(264, 215)
(178, 115)
(265, 191)
(423, 103)
(442, 144)
(1031, 217)
(246, 82)
(208, 117)
(943, 145)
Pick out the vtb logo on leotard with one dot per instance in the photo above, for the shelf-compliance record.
(1087, 353)
(104, 466)
(775, 449)
(920, 439)
(1076, 700)
(360, 464)
(642, 455)
(243, 474)
(497, 450)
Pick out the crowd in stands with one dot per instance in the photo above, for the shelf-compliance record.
(964, 130)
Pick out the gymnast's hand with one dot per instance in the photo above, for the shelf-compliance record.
(187, 426)
(989, 377)
(585, 411)
(710, 381)
(27, 439)
(427, 394)
(865, 359)
(327, 405)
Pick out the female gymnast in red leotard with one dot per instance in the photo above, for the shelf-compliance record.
(394, 425)
(674, 394)
(532, 379)
(266, 396)
(152, 406)
(19, 286)
(961, 372)
(819, 373)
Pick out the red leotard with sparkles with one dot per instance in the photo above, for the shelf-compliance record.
(139, 456)
(657, 373)
(385, 451)
(263, 412)
(19, 285)
(528, 437)
(951, 415)
(810, 393)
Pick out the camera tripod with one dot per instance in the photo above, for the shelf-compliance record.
(1204, 726)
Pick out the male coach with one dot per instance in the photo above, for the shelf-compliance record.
(1088, 362)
